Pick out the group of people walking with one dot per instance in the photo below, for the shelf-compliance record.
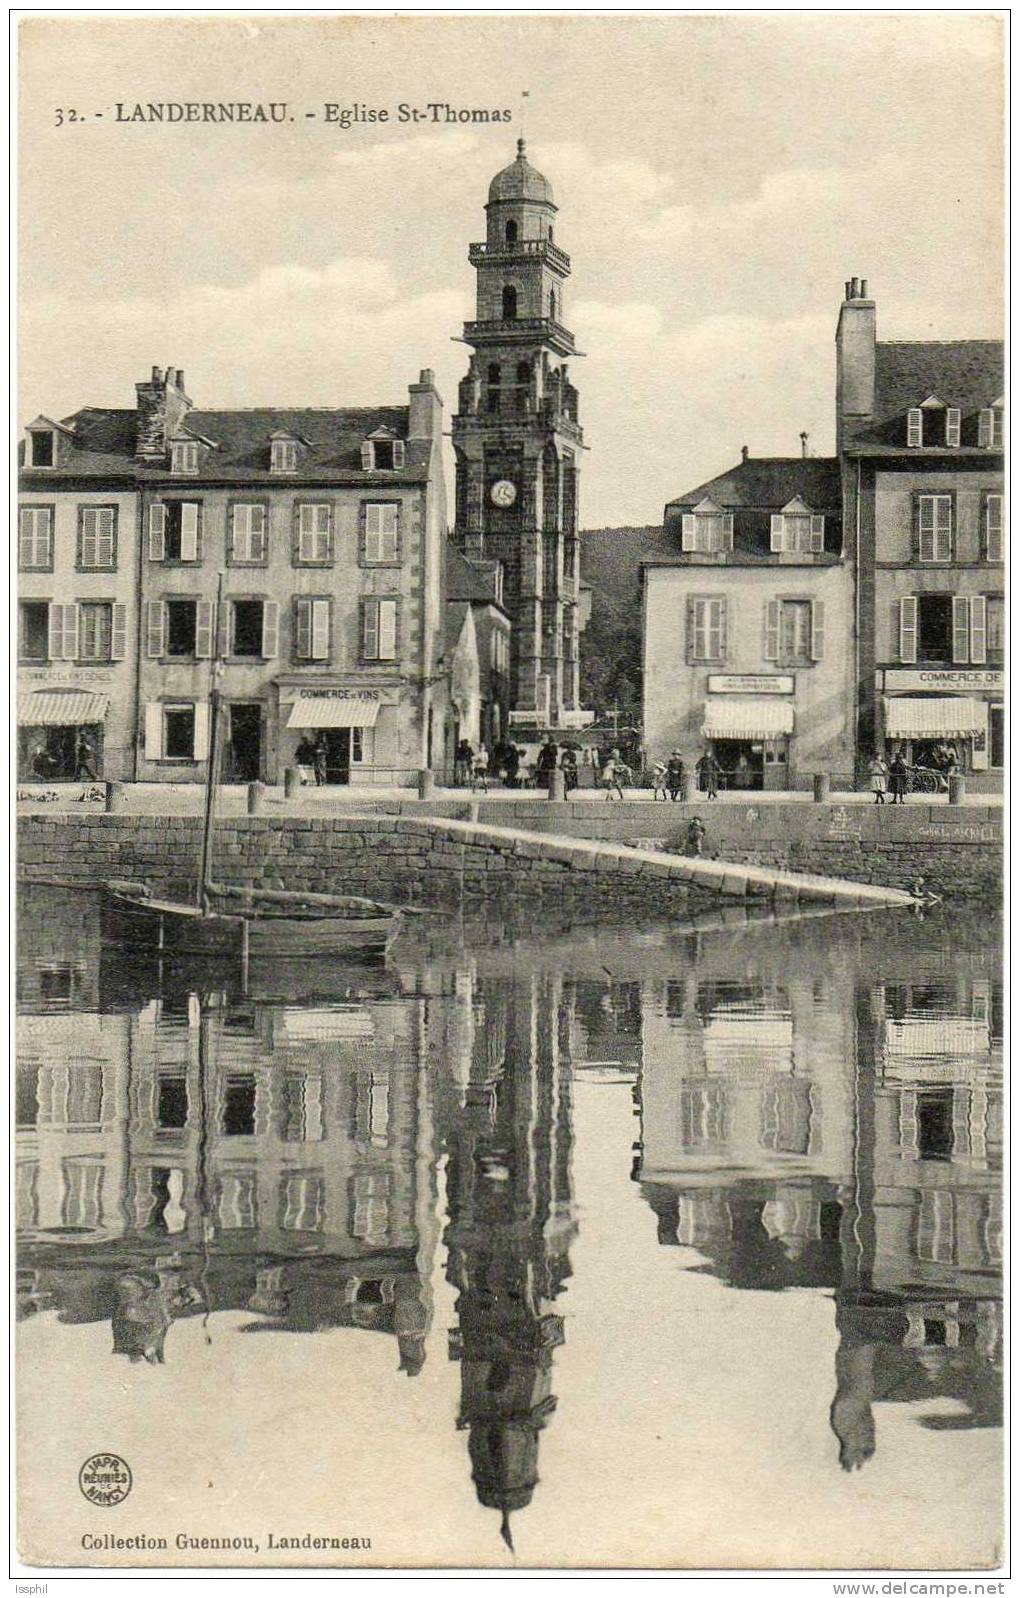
(669, 777)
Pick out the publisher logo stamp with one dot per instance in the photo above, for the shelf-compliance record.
(105, 1479)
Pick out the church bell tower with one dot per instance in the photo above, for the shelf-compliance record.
(517, 440)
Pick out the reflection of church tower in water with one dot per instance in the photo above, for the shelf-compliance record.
(508, 1179)
(517, 440)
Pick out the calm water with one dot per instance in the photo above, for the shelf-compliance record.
(672, 1247)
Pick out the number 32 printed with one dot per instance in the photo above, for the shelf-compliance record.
(63, 116)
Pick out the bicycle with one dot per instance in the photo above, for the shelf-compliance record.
(925, 779)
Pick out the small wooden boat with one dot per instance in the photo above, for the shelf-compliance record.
(248, 921)
(251, 922)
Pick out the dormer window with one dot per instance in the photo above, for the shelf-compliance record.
(990, 427)
(283, 455)
(932, 424)
(382, 452)
(796, 530)
(184, 457)
(707, 530)
(43, 449)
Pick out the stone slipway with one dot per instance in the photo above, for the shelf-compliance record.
(717, 876)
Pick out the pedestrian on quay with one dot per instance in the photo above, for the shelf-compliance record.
(511, 764)
(708, 774)
(321, 758)
(898, 778)
(675, 774)
(659, 782)
(877, 772)
(568, 766)
(304, 754)
(480, 770)
(694, 842)
(462, 759)
(84, 759)
(609, 775)
(548, 759)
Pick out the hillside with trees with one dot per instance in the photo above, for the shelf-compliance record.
(611, 643)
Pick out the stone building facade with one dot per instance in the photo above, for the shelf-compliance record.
(517, 441)
(921, 440)
(747, 605)
(77, 599)
(327, 527)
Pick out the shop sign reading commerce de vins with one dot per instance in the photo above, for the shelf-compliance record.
(950, 677)
(359, 695)
(750, 685)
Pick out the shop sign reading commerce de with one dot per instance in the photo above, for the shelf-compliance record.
(958, 678)
(358, 694)
(750, 685)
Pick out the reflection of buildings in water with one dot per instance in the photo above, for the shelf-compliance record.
(276, 1159)
(851, 1139)
(507, 1133)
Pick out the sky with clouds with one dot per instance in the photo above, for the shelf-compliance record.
(718, 178)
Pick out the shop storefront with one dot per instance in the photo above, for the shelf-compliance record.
(350, 733)
(60, 735)
(748, 726)
(928, 712)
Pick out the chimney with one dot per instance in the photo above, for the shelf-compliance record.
(855, 359)
(803, 446)
(162, 407)
(426, 408)
(744, 452)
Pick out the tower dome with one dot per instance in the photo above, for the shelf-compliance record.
(520, 181)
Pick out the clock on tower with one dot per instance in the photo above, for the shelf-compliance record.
(517, 439)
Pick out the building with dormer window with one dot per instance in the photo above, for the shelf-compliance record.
(328, 526)
(77, 598)
(746, 606)
(921, 438)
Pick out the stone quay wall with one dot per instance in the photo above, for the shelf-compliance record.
(397, 859)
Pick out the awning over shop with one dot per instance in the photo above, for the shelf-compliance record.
(935, 718)
(748, 718)
(67, 707)
(325, 712)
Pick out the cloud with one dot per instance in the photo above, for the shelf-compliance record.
(345, 334)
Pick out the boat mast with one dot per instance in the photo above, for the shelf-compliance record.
(212, 766)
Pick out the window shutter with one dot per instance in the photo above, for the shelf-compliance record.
(689, 533)
(370, 629)
(320, 629)
(200, 747)
(157, 532)
(961, 629)
(204, 612)
(984, 429)
(943, 528)
(55, 644)
(721, 603)
(154, 732)
(952, 428)
(772, 630)
(306, 532)
(915, 426)
(727, 528)
(118, 632)
(778, 533)
(223, 624)
(714, 629)
(817, 535)
(978, 630)
(387, 629)
(398, 453)
(70, 651)
(367, 456)
(908, 629)
(259, 545)
(155, 628)
(303, 629)
(270, 629)
(323, 518)
(189, 530)
(993, 527)
(817, 629)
